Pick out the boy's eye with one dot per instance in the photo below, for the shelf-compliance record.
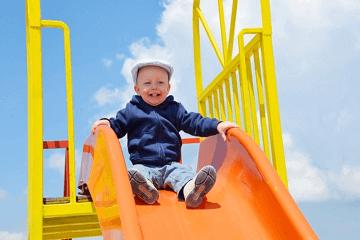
(146, 83)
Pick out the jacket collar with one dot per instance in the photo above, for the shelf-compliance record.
(138, 101)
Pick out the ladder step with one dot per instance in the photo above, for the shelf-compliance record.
(62, 200)
(71, 227)
(73, 234)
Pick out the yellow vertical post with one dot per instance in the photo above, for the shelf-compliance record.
(222, 29)
(222, 104)
(216, 104)
(236, 98)
(211, 107)
(252, 102)
(271, 94)
(197, 54)
(232, 28)
(244, 85)
(228, 100)
(69, 106)
(35, 120)
(264, 128)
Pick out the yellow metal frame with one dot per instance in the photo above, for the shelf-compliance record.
(57, 220)
(250, 73)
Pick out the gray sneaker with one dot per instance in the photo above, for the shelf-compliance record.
(196, 189)
(142, 187)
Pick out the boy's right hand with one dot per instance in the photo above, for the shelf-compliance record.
(222, 128)
(99, 122)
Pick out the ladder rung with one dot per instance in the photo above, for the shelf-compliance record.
(62, 200)
(72, 226)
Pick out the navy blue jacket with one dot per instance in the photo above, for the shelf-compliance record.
(153, 131)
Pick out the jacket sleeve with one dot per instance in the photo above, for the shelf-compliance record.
(195, 124)
(119, 124)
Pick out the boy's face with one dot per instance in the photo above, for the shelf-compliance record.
(152, 85)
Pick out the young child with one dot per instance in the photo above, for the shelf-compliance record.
(152, 121)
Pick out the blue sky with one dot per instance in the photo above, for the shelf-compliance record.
(317, 54)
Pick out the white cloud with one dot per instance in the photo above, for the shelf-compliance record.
(311, 183)
(56, 161)
(306, 13)
(120, 56)
(3, 194)
(108, 96)
(306, 182)
(346, 182)
(107, 62)
(307, 31)
(315, 14)
(4, 235)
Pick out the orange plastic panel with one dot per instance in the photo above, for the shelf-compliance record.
(248, 200)
(110, 189)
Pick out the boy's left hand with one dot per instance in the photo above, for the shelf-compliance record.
(223, 127)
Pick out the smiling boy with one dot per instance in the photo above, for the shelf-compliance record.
(152, 121)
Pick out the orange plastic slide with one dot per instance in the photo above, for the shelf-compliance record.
(248, 200)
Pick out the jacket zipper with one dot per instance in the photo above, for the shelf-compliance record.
(161, 150)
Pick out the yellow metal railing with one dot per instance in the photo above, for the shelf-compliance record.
(245, 90)
(69, 100)
(66, 218)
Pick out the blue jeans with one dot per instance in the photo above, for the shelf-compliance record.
(173, 175)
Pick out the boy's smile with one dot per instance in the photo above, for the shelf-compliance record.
(152, 85)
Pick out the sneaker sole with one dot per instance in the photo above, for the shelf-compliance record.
(204, 182)
(147, 193)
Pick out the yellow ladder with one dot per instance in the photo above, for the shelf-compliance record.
(51, 218)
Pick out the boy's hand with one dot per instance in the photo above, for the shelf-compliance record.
(99, 122)
(223, 127)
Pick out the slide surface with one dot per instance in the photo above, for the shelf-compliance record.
(248, 200)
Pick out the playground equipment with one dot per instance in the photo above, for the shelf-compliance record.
(248, 201)
(220, 98)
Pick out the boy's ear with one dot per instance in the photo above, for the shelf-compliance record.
(136, 88)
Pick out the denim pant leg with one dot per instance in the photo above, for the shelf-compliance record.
(176, 175)
(150, 172)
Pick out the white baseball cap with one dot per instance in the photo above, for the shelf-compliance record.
(167, 67)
